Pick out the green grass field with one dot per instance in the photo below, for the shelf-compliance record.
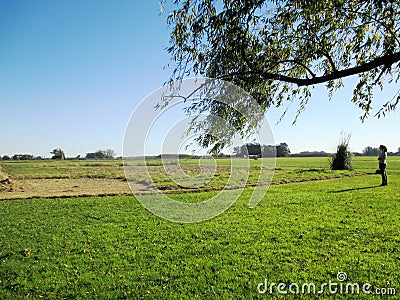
(113, 248)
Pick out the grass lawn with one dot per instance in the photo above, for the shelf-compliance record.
(301, 232)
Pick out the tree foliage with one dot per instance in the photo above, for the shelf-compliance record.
(96, 155)
(58, 154)
(278, 50)
(109, 153)
(370, 151)
(22, 157)
(101, 154)
(282, 150)
(249, 149)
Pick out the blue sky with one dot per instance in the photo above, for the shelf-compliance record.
(72, 73)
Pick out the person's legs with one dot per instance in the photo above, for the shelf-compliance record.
(385, 177)
(382, 169)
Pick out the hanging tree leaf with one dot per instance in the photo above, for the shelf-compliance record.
(278, 50)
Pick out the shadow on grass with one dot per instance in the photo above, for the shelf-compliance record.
(355, 189)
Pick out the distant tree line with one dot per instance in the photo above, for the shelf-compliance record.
(173, 156)
(311, 154)
(372, 151)
(101, 154)
(249, 149)
(369, 151)
(59, 154)
(22, 157)
(255, 149)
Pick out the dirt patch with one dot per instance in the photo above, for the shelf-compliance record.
(55, 188)
(5, 182)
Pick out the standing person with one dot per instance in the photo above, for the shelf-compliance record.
(382, 164)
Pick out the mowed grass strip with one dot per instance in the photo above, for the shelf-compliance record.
(57, 169)
(111, 247)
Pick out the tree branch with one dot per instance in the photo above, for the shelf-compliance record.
(326, 54)
(300, 64)
(386, 60)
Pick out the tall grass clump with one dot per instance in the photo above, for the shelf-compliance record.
(343, 158)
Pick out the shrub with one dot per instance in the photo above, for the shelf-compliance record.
(343, 159)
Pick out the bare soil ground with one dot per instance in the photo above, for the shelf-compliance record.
(56, 188)
(44, 186)
(5, 182)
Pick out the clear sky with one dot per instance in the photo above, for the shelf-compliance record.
(72, 73)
